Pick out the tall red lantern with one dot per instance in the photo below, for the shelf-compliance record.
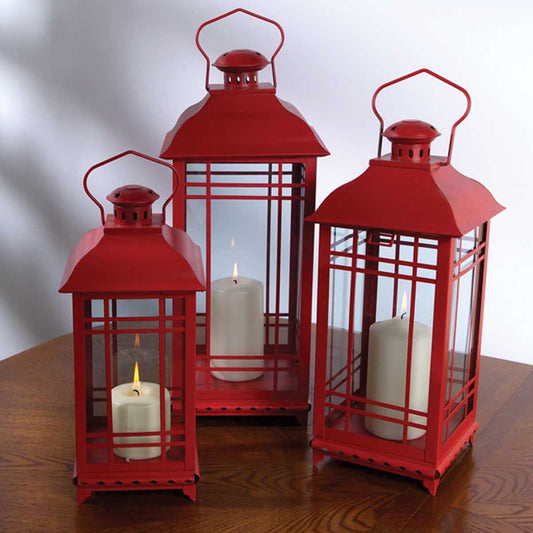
(249, 161)
(396, 385)
(134, 282)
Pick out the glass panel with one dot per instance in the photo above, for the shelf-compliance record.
(123, 376)
(95, 310)
(390, 350)
(250, 234)
(357, 358)
(463, 330)
(196, 225)
(399, 347)
(339, 321)
(338, 331)
(96, 347)
(137, 308)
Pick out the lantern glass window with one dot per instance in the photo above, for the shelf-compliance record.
(250, 214)
(118, 333)
(369, 272)
(469, 252)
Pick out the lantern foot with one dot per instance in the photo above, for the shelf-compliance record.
(83, 494)
(190, 492)
(318, 457)
(431, 485)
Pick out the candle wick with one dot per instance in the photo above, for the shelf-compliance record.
(402, 315)
(138, 393)
(235, 281)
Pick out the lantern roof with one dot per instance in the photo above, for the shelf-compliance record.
(409, 190)
(411, 197)
(242, 124)
(241, 119)
(115, 258)
(241, 61)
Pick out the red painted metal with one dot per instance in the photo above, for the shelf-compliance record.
(120, 156)
(410, 192)
(228, 14)
(133, 204)
(439, 77)
(235, 125)
(241, 61)
(240, 68)
(411, 140)
(409, 223)
(134, 282)
(247, 152)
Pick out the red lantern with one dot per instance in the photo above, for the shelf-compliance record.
(134, 282)
(396, 385)
(249, 161)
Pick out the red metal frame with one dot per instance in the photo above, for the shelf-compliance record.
(439, 77)
(113, 269)
(374, 256)
(246, 12)
(246, 145)
(120, 156)
(284, 387)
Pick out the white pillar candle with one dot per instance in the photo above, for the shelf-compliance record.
(237, 326)
(387, 378)
(135, 408)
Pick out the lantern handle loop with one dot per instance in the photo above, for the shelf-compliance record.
(439, 77)
(124, 154)
(246, 12)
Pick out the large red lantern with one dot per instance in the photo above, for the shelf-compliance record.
(134, 282)
(402, 261)
(249, 162)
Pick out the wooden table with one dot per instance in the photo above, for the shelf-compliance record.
(256, 474)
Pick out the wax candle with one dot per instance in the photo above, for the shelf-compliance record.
(135, 408)
(386, 375)
(237, 325)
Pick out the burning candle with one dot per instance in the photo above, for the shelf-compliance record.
(135, 409)
(237, 325)
(386, 377)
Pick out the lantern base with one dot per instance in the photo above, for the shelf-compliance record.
(216, 407)
(183, 480)
(430, 474)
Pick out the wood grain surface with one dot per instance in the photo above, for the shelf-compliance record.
(257, 474)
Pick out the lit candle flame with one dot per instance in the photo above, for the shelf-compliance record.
(404, 303)
(136, 381)
(235, 272)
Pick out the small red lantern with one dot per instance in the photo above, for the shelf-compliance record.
(396, 383)
(249, 161)
(134, 282)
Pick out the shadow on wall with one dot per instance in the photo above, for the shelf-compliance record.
(78, 86)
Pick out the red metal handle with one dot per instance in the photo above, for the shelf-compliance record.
(439, 77)
(246, 12)
(118, 156)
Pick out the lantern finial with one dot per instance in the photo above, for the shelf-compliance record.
(411, 140)
(132, 205)
(240, 68)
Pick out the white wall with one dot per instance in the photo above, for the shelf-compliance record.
(82, 81)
